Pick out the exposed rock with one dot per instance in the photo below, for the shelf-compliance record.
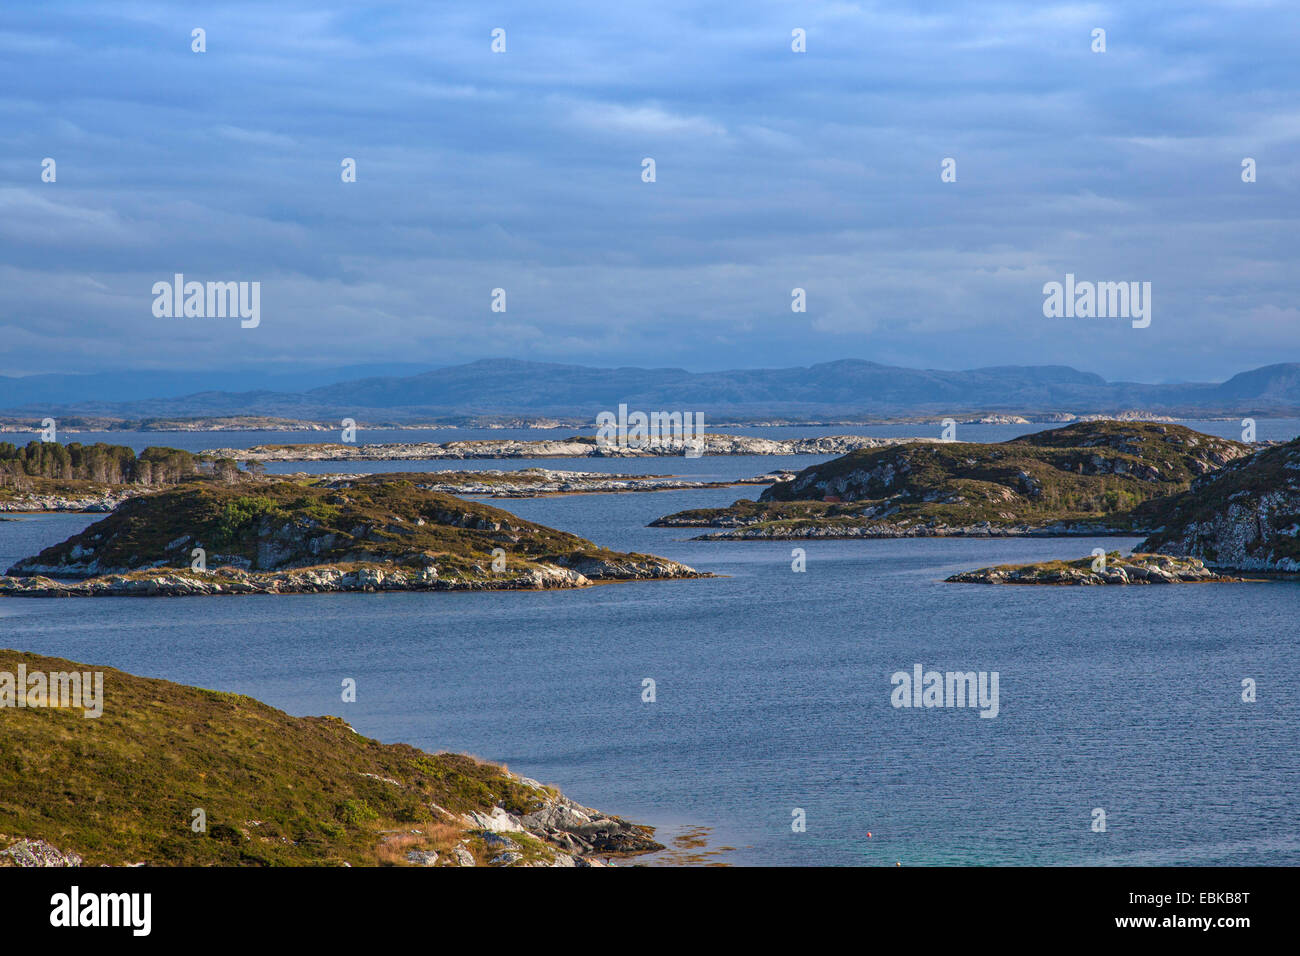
(36, 853)
(498, 821)
(91, 503)
(1135, 569)
(422, 857)
(1245, 517)
(495, 841)
(463, 856)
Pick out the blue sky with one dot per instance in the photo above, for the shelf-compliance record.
(774, 170)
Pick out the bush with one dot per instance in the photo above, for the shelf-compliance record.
(239, 513)
(356, 812)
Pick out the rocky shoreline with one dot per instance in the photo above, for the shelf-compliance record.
(560, 448)
(559, 833)
(1135, 569)
(176, 582)
(526, 483)
(72, 504)
(884, 529)
(537, 482)
(1246, 516)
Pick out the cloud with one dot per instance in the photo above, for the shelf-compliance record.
(645, 120)
(522, 170)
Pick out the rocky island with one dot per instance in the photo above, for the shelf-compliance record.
(1135, 569)
(1244, 517)
(269, 790)
(277, 537)
(1084, 479)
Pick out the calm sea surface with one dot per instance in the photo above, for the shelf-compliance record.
(773, 687)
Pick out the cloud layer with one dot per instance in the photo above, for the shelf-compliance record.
(775, 170)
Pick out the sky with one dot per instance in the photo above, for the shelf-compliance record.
(774, 170)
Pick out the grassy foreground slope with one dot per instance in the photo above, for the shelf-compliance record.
(276, 789)
(1083, 478)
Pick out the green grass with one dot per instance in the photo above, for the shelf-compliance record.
(276, 789)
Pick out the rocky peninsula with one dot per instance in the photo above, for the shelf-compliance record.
(272, 790)
(1084, 479)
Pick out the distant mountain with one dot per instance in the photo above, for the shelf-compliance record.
(845, 389)
(131, 386)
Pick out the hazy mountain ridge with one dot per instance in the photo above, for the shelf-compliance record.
(849, 387)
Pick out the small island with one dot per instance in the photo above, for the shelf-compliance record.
(1134, 569)
(277, 537)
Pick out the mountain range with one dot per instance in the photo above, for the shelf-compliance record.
(849, 389)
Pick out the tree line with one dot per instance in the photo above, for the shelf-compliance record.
(111, 464)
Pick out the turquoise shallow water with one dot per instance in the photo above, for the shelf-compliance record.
(773, 691)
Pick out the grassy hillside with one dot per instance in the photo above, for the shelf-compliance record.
(276, 789)
(1084, 474)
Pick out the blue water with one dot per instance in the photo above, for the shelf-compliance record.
(773, 691)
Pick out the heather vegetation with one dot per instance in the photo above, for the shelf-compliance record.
(1084, 477)
(273, 789)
